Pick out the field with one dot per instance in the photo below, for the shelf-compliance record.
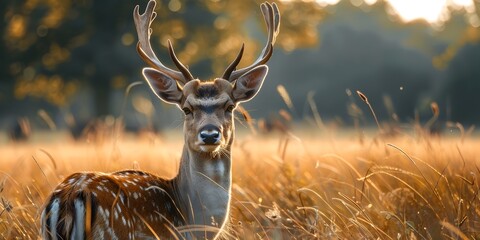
(304, 186)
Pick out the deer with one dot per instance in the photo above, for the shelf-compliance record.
(134, 204)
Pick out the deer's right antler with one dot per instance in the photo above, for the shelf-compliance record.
(144, 49)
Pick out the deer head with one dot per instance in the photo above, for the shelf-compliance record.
(208, 105)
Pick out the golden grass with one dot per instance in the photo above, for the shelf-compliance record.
(284, 187)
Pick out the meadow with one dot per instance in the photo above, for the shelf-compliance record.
(297, 185)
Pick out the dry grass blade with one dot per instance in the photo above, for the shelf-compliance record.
(435, 109)
(247, 117)
(436, 112)
(285, 96)
(413, 189)
(150, 227)
(365, 100)
(455, 230)
(285, 115)
(39, 167)
(418, 169)
(330, 206)
(197, 228)
(409, 158)
(313, 107)
(124, 103)
(364, 232)
(47, 119)
(52, 160)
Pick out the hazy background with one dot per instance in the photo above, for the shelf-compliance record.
(71, 61)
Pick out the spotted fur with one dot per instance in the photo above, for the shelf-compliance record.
(120, 205)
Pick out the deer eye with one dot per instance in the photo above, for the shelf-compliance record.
(187, 111)
(230, 108)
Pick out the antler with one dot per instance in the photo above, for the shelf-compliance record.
(272, 19)
(144, 49)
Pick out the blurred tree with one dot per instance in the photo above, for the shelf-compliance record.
(33, 50)
(53, 47)
(463, 85)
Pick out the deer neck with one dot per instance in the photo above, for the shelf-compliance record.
(204, 182)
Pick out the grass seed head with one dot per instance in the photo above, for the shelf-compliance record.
(362, 96)
(435, 108)
(285, 96)
(285, 115)
(274, 213)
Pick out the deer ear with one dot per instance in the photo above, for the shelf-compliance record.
(248, 85)
(165, 87)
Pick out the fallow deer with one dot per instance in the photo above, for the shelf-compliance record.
(193, 205)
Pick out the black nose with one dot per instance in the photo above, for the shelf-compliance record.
(210, 134)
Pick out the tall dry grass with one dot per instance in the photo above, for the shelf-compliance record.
(284, 187)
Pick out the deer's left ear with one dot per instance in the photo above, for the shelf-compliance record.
(248, 85)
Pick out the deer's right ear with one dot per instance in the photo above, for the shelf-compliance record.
(165, 87)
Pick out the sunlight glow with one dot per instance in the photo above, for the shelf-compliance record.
(410, 10)
(370, 2)
(327, 2)
(433, 11)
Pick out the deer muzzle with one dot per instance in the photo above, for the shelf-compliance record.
(210, 135)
